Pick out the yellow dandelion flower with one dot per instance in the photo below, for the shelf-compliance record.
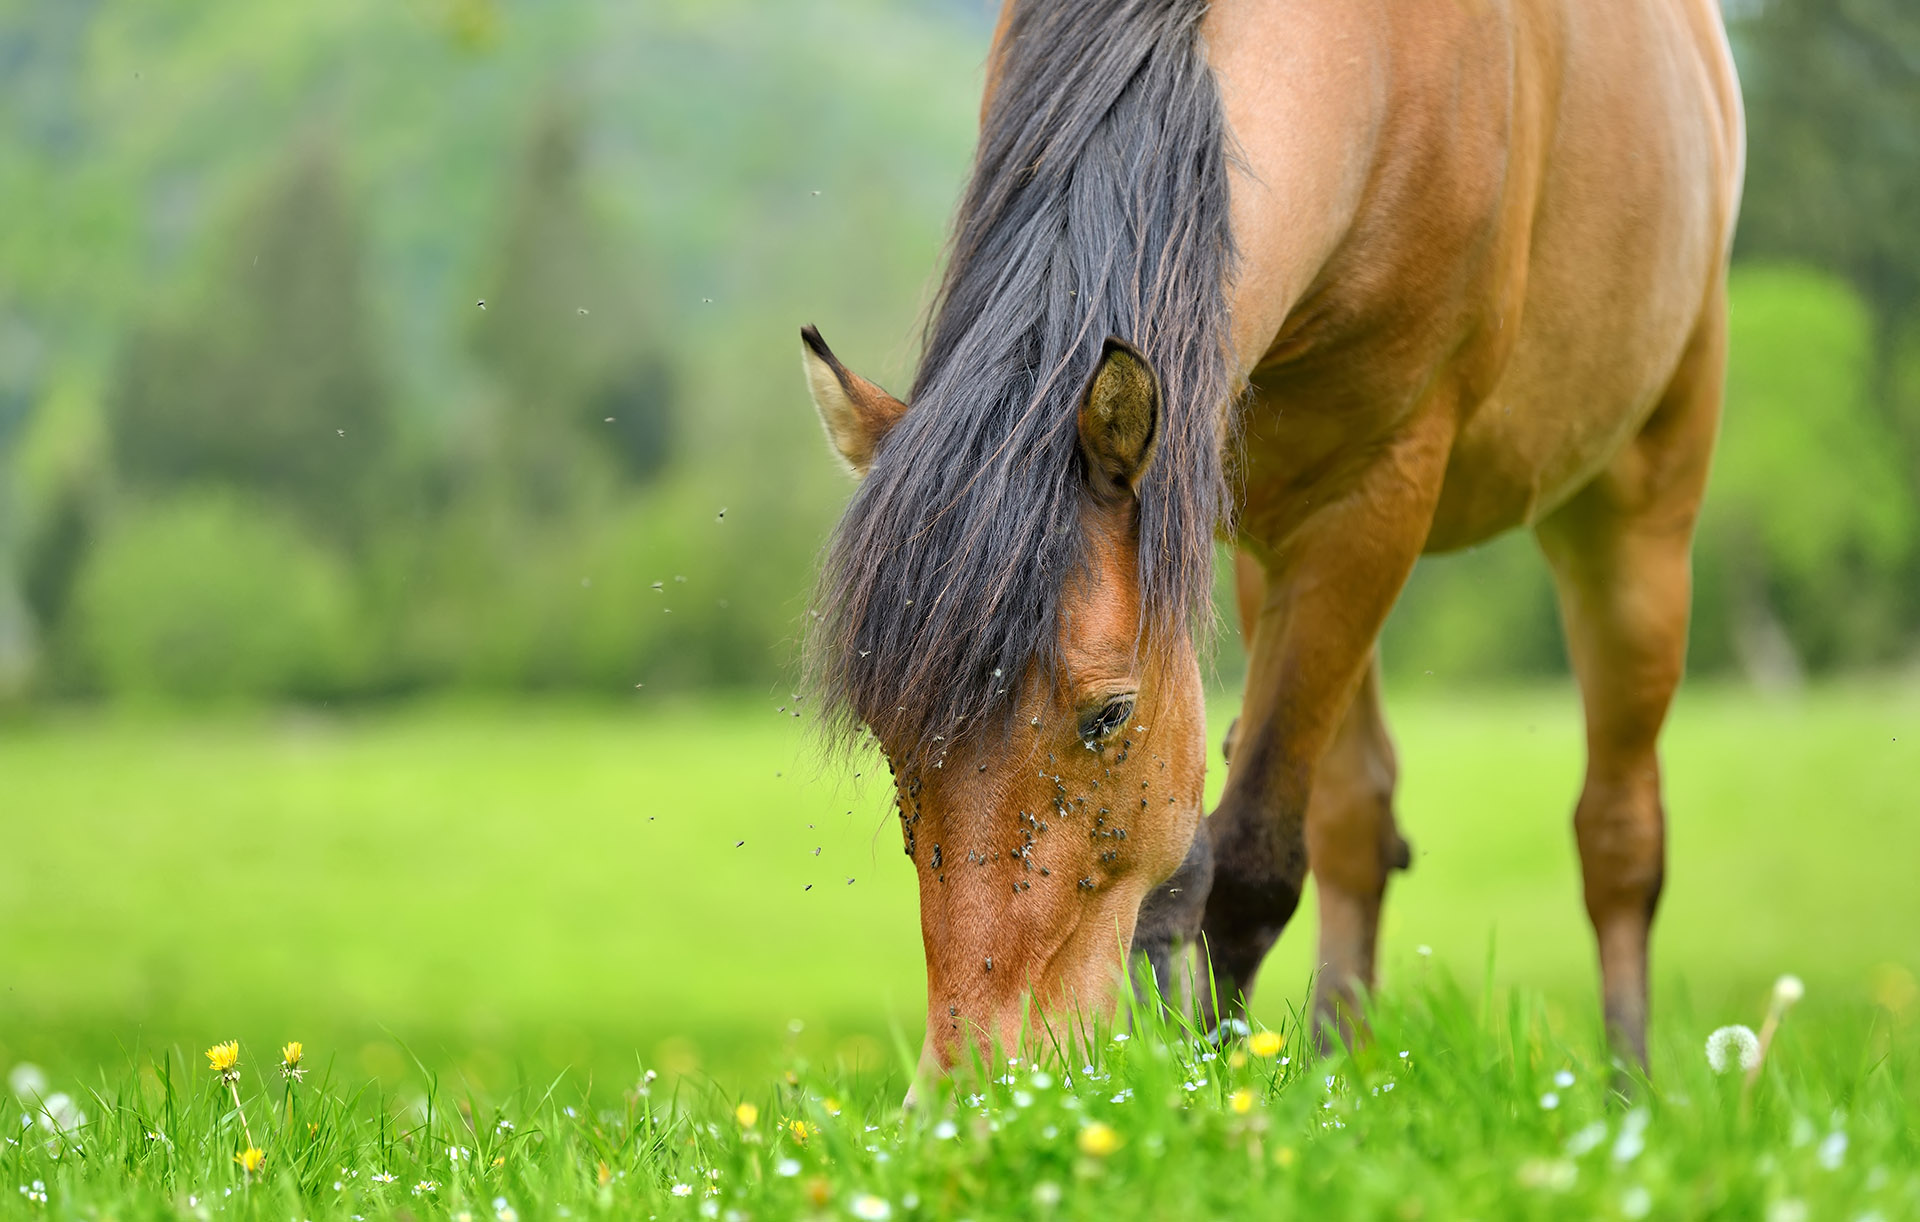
(1241, 1101)
(224, 1059)
(1265, 1044)
(831, 1104)
(747, 1114)
(603, 1173)
(251, 1159)
(290, 1061)
(1098, 1140)
(800, 1129)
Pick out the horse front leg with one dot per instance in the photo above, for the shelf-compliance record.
(1329, 586)
(1170, 916)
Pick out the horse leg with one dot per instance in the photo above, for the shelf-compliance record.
(1328, 588)
(1170, 915)
(1620, 552)
(1352, 844)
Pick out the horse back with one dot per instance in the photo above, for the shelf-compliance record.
(1510, 215)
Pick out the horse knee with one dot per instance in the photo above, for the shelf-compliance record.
(1620, 828)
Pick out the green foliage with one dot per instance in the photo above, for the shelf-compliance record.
(1809, 510)
(227, 263)
(208, 596)
(1833, 155)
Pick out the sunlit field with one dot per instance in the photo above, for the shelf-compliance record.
(492, 913)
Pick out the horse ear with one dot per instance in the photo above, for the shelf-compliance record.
(1119, 419)
(857, 413)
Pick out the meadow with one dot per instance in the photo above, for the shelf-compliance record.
(470, 913)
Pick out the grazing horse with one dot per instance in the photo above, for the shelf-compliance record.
(1344, 281)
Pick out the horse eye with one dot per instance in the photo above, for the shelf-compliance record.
(1110, 717)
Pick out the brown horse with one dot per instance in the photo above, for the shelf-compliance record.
(1348, 281)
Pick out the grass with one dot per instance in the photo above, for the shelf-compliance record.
(1455, 1108)
(471, 913)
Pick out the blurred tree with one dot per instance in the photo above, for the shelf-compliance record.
(1833, 161)
(566, 332)
(271, 381)
(1809, 516)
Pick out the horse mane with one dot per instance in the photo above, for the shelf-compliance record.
(1097, 206)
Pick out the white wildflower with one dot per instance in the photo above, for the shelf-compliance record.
(1551, 1174)
(1632, 1139)
(683, 1190)
(787, 1168)
(946, 1130)
(28, 1082)
(1563, 1079)
(870, 1207)
(1549, 1101)
(1731, 1046)
(1787, 990)
(1832, 1151)
(60, 1114)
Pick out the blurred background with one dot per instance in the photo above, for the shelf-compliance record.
(409, 502)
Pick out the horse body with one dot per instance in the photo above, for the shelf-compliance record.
(1483, 288)
(1479, 285)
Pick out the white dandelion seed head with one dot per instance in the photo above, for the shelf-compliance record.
(1730, 1045)
(1549, 1101)
(787, 1168)
(946, 1130)
(1563, 1079)
(1787, 990)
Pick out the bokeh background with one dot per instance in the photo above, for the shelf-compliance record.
(409, 501)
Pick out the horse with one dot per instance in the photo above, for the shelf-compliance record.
(1342, 282)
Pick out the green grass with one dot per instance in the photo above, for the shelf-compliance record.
(1454, 1109)
(561, 885)
(512, 911)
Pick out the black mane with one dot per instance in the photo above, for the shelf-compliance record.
(1097, 206)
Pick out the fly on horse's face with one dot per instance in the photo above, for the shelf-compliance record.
(1035, 842)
